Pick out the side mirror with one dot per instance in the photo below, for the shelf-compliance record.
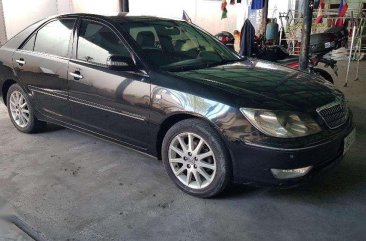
(120, 63)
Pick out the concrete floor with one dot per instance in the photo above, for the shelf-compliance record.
(71, 186)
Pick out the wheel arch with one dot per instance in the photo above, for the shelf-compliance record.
(5, 88)
(324, 74)
(175, 118)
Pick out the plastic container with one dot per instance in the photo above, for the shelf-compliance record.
(272, 31)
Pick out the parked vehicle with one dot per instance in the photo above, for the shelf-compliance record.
(314, 60)
(320, 45)
(226, 38)
(171, 90)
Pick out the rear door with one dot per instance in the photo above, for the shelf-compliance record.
(41, 65)
(105, 101)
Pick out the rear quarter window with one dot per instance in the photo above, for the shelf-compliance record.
(54, 37)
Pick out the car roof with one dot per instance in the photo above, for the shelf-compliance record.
(117, 18)
(19, 38)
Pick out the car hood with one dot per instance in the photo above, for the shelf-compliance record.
(262, 84)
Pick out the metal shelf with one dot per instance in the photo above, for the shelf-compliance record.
(356, 26)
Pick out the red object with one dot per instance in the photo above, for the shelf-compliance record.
(294, 65)
(339, 22)
(232, 2)
(223, 5)
(342, 12)
(320, 16)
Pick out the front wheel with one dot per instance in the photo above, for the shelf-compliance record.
(21, 112)
(196, 159)
(324, 74)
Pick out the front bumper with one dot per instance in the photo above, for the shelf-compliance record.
(252, 164)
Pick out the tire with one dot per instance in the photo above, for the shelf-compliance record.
(209, 175)
(324, 74)
(21, 112)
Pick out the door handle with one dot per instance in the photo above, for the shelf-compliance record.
(21, 62)
(76, 75)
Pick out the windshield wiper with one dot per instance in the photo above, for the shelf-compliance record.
(226, 62)
(184, 67)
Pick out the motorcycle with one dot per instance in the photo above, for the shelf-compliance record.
(320, 44)
(314, 60)
(226, 38)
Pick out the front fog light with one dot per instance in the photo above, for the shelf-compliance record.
(290, 173)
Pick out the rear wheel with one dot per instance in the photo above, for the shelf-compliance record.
(21, 112)
(324, 74)
(196, 159)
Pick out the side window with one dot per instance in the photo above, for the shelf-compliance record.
(30, 44)
(54, 37)
(97, 42)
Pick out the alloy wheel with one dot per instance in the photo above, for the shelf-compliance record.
(19, 109)
(192, 160)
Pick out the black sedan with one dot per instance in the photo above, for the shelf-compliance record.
(171, 90)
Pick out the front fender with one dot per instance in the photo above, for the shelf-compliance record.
(226, 119)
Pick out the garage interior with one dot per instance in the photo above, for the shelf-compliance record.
(64, 185)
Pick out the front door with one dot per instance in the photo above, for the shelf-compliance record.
(105, 101)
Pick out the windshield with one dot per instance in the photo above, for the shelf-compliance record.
(176, 45)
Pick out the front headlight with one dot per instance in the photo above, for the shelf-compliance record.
(282, 124)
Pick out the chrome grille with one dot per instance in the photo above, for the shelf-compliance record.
(334, 114)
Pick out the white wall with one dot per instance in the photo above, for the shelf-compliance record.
(206, 14)
(242, 14)
(21, 13)
(3, 37)
(104, 7)
(277, 7)
(209, 16)
(64, 6)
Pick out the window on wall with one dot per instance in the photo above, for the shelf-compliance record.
(54, 37)
(97, 42)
